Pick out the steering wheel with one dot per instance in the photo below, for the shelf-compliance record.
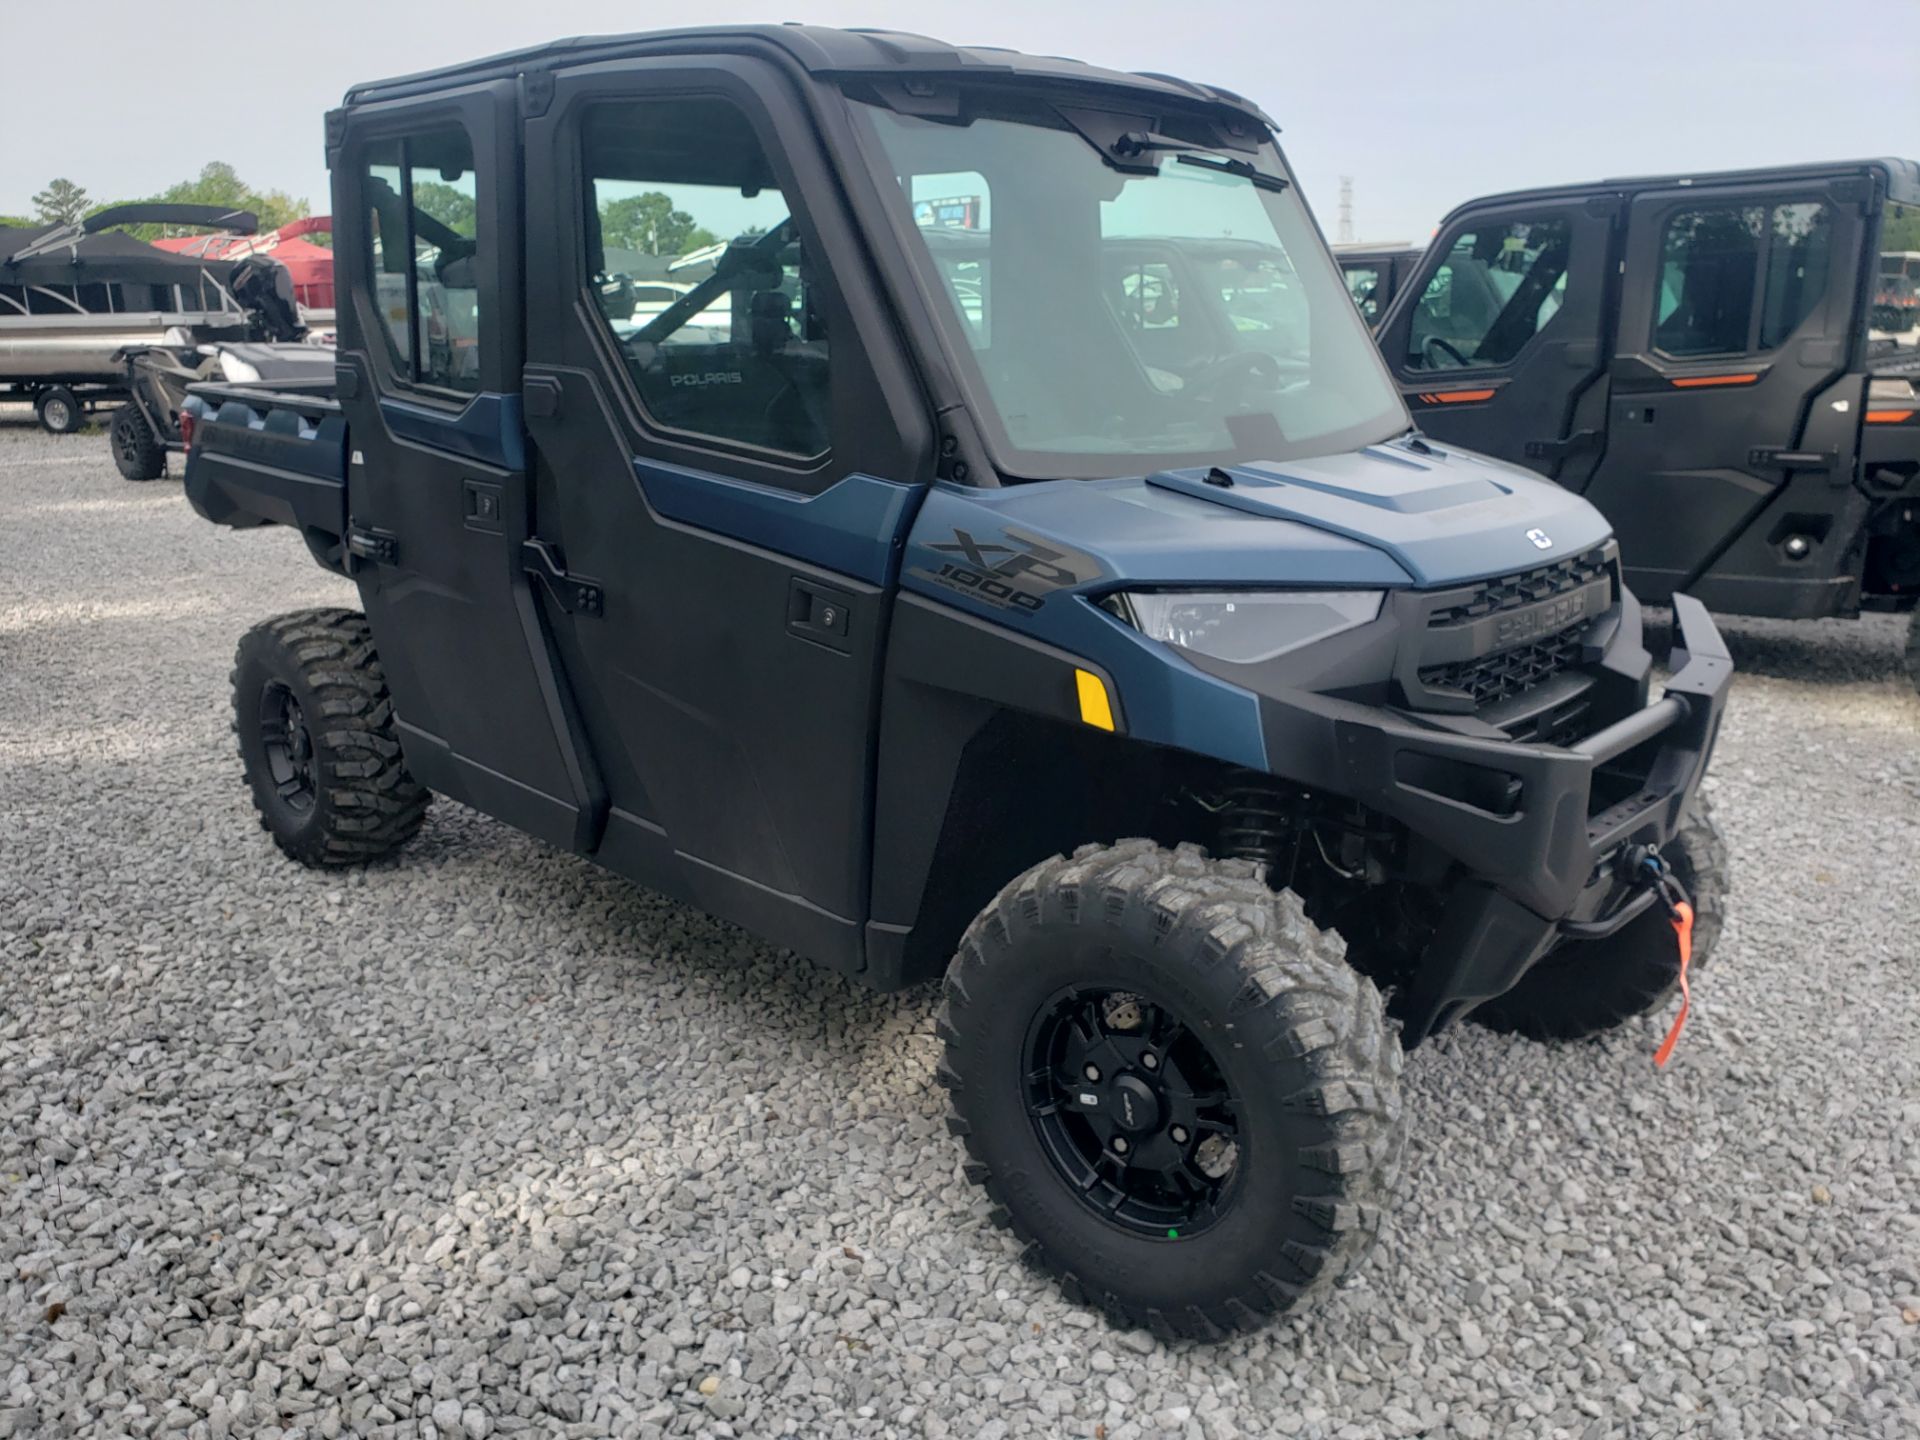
(1433, 347)
(1232, 377)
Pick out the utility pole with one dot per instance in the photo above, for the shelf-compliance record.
(1345, 232)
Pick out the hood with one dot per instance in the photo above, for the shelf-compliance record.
(1384, 516)
(1443, 516)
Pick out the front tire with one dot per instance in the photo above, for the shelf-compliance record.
(137, 451)
(1587, 987)
(1913, 649)
(1172, 1086)
(318, 741)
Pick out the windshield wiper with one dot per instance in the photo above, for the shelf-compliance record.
(1245, 169)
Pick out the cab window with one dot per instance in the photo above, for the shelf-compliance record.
(1739, 279)
(1497, 287)
(423, 231)
(702, 277)
(1363, 283)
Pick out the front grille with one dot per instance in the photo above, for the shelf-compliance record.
(1490, 679)
(1510, 592)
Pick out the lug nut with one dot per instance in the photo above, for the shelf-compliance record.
(1150, 1060)
(1092, 1072)
(1120, 1146)
(1179, 1134)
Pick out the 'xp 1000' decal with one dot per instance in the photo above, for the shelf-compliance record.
(1013, 572)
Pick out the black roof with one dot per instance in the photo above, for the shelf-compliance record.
(68, 255)
(1902, 179)
(815, 49)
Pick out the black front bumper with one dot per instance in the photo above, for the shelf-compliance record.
(1537, 830)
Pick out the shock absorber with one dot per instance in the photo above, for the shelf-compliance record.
(1258, 821)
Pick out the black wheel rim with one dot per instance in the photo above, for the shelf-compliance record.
(1133, 1111)
(288, 747)
(128, 444)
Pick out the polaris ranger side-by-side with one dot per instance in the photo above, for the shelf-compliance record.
(900, 585)
(1698, 356)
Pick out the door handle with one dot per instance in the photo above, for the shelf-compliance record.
(820, 614)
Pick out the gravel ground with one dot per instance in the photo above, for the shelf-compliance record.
(486, 1141)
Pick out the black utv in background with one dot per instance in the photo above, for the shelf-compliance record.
(851, 484)
(1694, 354)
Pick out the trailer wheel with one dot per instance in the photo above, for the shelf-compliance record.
(136, 449)
(59, 410)
(1173, 1088)
(317, 739)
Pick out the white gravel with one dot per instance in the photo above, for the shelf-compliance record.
(485, 1141)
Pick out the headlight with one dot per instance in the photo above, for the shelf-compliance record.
(1249, 627)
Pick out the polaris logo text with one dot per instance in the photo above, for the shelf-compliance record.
(1524, 625)
(708, 377)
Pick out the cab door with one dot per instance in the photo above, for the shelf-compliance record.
(727, 451)
(1496, 339)
(1737, 316)
(429, 378)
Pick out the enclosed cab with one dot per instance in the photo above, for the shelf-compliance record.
(1705, 358)
(940, 510)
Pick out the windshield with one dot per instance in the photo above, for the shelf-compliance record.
(1110, 322)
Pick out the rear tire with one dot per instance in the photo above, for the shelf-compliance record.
(1276, 1054)
(137, 451)
(59, 410)
(318, 741)
(1913, 649)
(1589, 986)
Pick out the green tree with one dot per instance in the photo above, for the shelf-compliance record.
(60, 203)
(647, 222)
(452, 208)
(1901, 228)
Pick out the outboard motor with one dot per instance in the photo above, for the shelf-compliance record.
(265, 287)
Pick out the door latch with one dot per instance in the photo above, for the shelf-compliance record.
(1561, 449)
(1778, 457)
(572, 593)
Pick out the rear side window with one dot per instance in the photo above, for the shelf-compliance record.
(1739, 279)
(1497, 288)
(423, 237)
(1363, 283)
(700, 273)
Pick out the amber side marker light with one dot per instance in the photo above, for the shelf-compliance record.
(1096, 708)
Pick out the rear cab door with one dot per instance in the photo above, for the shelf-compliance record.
(1732, 412)
(1497, 339)
(429, 262)
(729, 445)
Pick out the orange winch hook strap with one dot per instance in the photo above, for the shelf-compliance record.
(1683, 931)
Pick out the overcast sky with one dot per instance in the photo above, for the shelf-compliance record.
(1423, 104)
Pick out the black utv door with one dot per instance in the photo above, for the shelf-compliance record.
(1497, 338)
(727, 452)
(1731, 416)
(437, 483)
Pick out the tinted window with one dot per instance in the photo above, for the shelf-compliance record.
(1496, 289)
(1363, 283)
(701, 275)
(1735, 279)
(423, 230)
